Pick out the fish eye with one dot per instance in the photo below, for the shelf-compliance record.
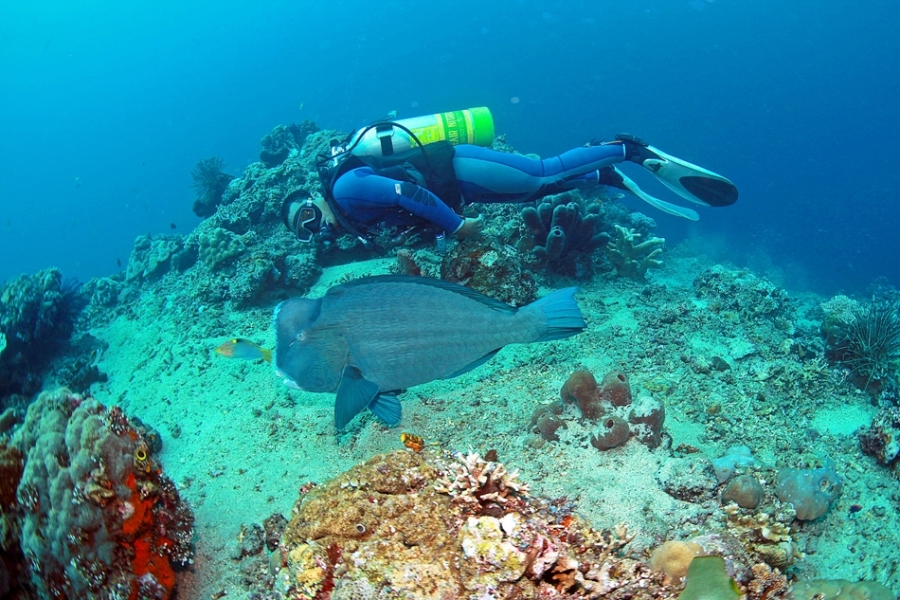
(301, 336)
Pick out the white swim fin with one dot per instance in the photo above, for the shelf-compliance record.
(688, 180)
(672, 209)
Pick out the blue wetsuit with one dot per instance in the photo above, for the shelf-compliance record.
(482, 175)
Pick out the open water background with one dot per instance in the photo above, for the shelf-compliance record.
(105, 107)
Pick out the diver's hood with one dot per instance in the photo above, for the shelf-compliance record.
(689, 181)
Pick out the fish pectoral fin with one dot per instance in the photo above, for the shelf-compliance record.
(387, 408)
(354, 393)
(474, 364)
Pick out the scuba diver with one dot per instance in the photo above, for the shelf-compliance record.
(417, 174)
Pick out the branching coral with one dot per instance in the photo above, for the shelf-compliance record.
(482, 486)
(631, 257)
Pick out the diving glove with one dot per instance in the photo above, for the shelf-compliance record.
(689, 181)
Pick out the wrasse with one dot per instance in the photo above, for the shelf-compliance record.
(243, 348)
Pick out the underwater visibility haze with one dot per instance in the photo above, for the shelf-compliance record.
(726, 418)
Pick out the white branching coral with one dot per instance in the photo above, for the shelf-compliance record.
(474, 482)
(631, 257)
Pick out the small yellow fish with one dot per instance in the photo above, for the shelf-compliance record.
(242, 348)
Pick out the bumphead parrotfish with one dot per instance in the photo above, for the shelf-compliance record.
(372, 338)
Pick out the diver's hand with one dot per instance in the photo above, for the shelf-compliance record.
(470, 227)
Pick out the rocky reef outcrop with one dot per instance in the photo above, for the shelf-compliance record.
(86, 509)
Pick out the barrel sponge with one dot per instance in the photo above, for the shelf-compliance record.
(841, 589)
(616, 388)
(811, 491)
(673, 558)
(218, 245)
(613, 432)
(546, 419)
(581, 388)
(743, 490)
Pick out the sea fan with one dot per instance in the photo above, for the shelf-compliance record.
(871, 344)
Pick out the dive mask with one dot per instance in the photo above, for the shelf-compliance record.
(301, 215)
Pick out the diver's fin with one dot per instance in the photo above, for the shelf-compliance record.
(387, 408)
(354, 393)
(672, 209)
(689, 181)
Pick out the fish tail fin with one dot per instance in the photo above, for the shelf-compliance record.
(561, 312)
(266, 354)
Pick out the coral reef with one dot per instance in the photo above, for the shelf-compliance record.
(744, 490)
(881, 438)
(241, 255)
(218, 246)
(396, 527)
(93, 517)
(490, 267)
(742, 293)
(153, 257)
(632, 257)
(38, 314)
(283, 140)
(764, 533)
(734, 458)
(209, 183)
(673, 558)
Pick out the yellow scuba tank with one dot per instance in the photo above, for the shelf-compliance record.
(395, 139)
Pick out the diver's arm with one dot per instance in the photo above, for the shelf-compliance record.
(367, 196)
(423, 203)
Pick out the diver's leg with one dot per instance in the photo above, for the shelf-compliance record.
(489, 176)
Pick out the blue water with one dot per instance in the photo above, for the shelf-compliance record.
(105, 107)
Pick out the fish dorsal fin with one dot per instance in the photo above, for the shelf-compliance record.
(354, 393)
(436, 283)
